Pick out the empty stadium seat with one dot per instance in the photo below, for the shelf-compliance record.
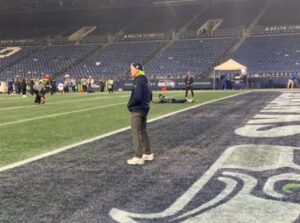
(262, 54)
(189, 55)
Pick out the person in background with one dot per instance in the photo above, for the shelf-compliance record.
(102, 84)
(224, 82)
(23, 87)
(60, 88)
(70, 85)
(189, 80)
(139, 105)
(84, 83)
(91, 82)
(39, 91)
(17, 84)
(31, 84)
(291, 82)
(10, 86)
(73, 81)
(162, 99)
(53, 86)
(110, 85)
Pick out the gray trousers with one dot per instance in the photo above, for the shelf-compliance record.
(140, 138)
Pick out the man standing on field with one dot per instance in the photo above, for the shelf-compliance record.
(139, 105)
(189, 79)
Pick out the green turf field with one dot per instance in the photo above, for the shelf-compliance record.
(28, 130)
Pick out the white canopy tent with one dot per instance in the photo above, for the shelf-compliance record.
(229, 65)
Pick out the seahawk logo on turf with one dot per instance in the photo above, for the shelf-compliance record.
(247, 195)
(257, 183)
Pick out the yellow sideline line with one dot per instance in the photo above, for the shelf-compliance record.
(59, 150)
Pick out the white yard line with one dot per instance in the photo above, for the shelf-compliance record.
(59, 114)
(63, 102)
(58, 95)
(14, 98)
(35, 158)
(81, 99)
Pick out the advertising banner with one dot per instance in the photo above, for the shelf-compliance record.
(169, 84)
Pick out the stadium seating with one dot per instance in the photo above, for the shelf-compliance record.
(228, 32)
(138, 32)
(116, 58)
(94, 39)
(189, 55)
(5, 61)
(270, 54)
(50, 59)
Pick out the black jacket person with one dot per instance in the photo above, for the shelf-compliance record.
(164, 99)
(139, 105)
(140, 95)
(189, 80)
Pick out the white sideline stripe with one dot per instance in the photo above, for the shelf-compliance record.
(63, 96)
(62, 102)
(59, 114)
(14, 98)
(89, 99)
(42, 156)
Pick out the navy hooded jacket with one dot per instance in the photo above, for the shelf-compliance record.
(141, 95)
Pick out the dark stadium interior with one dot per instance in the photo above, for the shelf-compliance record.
(215, 84)
(168, 37)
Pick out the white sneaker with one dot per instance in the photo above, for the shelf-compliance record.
(148, 157)
(190, 100)
(136, 161)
